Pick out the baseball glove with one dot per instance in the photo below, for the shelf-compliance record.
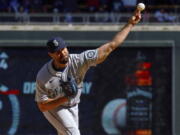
(69, 87)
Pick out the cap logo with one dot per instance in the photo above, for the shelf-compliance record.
(55, 42)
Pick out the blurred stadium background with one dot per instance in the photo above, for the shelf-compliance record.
(134, 92)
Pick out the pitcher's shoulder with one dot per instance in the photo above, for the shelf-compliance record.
(42, 72)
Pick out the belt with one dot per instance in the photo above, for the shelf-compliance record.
(67, 107)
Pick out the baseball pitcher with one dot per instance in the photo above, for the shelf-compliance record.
(60, 81)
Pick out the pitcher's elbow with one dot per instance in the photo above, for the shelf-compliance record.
(41, 107)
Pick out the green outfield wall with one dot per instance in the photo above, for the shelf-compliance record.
(93, 38)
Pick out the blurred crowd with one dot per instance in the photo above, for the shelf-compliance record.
(23, 7)
(50, 6)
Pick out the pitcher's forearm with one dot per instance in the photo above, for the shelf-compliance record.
(51, 104)
(106, 49)
(121, 36)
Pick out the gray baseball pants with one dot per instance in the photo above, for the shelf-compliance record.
(65, 120)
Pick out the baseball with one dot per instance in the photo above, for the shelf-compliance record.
(141, 6)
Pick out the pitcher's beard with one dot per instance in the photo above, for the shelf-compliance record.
(65, 60)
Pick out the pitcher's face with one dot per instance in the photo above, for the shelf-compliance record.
(61, 56)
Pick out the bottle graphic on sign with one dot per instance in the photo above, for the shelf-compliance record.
(139, 97)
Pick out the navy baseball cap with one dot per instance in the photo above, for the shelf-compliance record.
(55, 44)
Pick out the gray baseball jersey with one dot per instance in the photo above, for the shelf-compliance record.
(65, 117)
